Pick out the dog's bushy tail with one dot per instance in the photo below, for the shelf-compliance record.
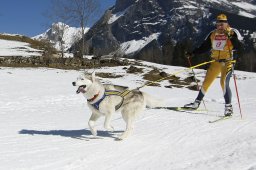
(152, 102)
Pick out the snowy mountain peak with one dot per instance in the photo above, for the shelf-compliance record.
(61, 33)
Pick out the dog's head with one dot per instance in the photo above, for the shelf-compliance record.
(84, 82)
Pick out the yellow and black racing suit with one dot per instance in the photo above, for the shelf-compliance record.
(222, 47)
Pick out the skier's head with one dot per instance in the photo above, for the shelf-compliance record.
(222, 18)
(222, 22)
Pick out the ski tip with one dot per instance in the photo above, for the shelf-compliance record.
(220, 119)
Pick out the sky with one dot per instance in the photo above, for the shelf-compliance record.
(27, 17)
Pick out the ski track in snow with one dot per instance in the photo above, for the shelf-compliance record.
(44, 126)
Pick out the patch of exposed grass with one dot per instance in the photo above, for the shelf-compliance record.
(191, 79)
(133, 69)
(108, 75)
(153, 75)
(150, 83)
(193, 87)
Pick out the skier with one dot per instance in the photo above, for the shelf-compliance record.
(222, 42)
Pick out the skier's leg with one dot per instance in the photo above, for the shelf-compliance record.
(226, 73)
(212, 73)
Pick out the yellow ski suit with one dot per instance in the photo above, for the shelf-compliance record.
(222, 47)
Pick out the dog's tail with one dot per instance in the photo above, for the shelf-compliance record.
(152, 102)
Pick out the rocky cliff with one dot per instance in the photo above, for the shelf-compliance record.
(160, 30)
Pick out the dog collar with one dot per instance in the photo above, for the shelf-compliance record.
(94, 97)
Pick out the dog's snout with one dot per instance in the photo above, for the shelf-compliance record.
(74, 83)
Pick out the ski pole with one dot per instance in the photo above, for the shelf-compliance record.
(234, 77)
(237, 95)
(194, 75)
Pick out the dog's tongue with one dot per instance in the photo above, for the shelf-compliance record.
(80, 89)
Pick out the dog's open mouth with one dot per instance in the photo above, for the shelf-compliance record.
(81, 89)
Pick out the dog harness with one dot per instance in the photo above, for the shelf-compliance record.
(96, 105)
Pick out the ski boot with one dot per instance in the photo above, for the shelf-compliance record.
(194, 105)
(228, 110)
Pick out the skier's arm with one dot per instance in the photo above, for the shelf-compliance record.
(204, 47)
(236, 40)
(237, 44)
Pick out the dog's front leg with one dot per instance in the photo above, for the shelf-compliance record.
(107, 122)
(91, 123)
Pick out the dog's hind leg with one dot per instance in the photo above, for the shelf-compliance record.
(91, 123)
(129, 119)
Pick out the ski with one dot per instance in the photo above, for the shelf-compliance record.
(220, 119)
(179, 109)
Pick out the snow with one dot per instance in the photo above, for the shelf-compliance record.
(245, 5)
(72, 35)
(216, 1)
(116, 16)
(17, 48)
(253, 35)
(135, 45)
(246, 14)
(190, 7)
(246, 9)
(44, 125)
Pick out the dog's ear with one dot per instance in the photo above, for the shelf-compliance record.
(93, 76)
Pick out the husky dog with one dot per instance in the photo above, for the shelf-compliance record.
(106, 99)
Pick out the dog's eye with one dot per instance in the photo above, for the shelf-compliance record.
(82, 79)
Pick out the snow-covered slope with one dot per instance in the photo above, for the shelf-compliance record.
(70, 35)
(17, 48)
(44, 125)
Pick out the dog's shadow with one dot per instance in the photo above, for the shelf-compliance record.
(82, 134)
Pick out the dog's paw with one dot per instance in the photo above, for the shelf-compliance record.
(110, 128)
(121, 137)
(118, 139)
(94, 132)
(124, 135)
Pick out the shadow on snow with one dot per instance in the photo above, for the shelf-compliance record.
(77, 134)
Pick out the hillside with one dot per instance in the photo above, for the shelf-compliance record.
(17, 51)
(19, 45)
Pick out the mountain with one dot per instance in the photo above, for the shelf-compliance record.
(53, 34)
(160, 30)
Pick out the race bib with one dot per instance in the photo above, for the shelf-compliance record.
(219, 42)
